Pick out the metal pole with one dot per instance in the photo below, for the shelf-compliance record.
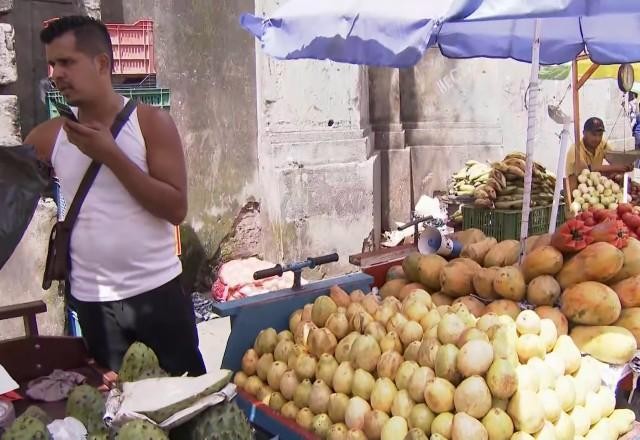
(562, 161)
(534, 89)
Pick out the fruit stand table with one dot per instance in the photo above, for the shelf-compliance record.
(33, 356)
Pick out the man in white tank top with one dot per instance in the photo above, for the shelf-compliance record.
(125, 276)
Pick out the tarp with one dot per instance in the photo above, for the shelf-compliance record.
(22, 181)
(397, 33)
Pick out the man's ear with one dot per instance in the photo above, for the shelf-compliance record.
(104, 63)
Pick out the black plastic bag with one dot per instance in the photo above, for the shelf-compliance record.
(23, 179)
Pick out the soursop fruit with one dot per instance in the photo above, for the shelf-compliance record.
(136, 361)
(153, 373)
(86, 404)
(37, 413)
(141, 430)
(27, 428)
(224, 421)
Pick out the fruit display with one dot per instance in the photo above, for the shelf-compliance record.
(414, 365)
(609, 224)
(597, 191)
(504, 188)
(86, 404)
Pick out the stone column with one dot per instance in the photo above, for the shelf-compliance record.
(451, 113)
(395, 159)
(318, 170)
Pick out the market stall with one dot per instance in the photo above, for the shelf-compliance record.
(564, 299)
(494, 349)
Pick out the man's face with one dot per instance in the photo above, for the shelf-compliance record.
(592, 138)
(75, 73)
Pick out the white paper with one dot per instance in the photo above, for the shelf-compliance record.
(213, 335)
(6, 381)
(67, 429)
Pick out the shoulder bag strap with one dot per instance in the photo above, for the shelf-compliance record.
(92, 171)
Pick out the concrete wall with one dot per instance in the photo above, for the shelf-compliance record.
(208, 62)
(317, 164)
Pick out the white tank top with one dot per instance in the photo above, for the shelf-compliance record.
(118, 248)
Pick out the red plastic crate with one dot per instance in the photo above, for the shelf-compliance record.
(133, 50)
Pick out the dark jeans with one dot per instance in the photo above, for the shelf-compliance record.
(163, 319)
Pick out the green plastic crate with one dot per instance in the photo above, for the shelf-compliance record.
(157, 97)
(505, 224)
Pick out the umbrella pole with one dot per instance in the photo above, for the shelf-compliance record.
(534, 89)
(576, 110)
(562, 160)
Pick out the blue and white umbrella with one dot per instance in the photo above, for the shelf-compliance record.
(397, 34)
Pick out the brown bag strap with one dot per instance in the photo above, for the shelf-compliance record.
(92, 171)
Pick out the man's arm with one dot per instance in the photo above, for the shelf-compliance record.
(162, 192)
(612, 168)
(43, 138)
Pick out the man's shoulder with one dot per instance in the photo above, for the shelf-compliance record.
(153, 121)
(43, 137)
(150, 113)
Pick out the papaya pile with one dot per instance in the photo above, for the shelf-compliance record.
(589, 288)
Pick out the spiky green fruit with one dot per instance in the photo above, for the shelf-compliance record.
(37, 413)
(86, 404)
(224, 421)
(136, 361)
(27, 428)
(139, 430)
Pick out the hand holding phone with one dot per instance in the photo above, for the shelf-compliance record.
(65, 111)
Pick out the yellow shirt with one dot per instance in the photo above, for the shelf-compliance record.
(586, 156)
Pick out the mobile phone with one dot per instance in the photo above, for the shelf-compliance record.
(65, 111)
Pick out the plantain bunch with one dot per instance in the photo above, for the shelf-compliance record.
(504, 188)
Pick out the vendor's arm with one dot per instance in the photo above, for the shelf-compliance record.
(162, 192)
(612, 168)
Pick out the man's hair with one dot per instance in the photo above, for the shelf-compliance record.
(92, 36)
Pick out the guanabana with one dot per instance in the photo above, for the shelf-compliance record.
(136, 361)
(86, 404)
(37, 413)
(27, 428)
(141, 430)
(224, 421)
(154, 373)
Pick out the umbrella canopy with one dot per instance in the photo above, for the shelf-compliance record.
(397, 33)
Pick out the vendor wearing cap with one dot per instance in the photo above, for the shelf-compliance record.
(592, 149)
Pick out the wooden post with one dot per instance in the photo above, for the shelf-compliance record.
(576, 85)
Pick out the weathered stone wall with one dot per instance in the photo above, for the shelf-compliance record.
(22, 72)
(21, 276)
(208, 61)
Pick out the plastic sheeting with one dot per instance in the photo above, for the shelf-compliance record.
(23, 179)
